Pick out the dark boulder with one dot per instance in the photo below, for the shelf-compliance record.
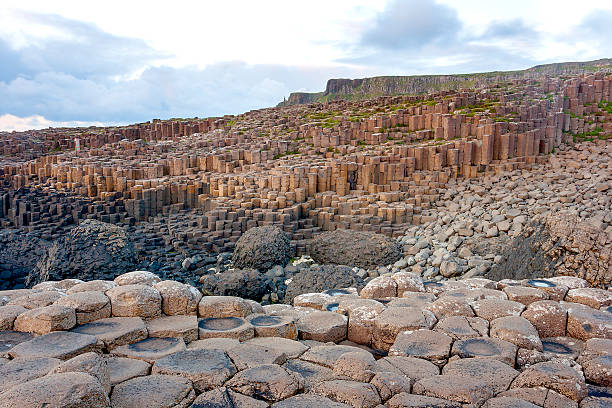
(320, 278)
(244, 283)
(92, 250)
(261, 248)
(355, 248)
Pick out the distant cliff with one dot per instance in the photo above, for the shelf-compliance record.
(364, 88)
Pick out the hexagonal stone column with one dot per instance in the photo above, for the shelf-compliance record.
(230, 327)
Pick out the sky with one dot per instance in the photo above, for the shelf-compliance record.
(80, 63)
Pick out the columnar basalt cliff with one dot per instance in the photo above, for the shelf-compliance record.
(366, 88)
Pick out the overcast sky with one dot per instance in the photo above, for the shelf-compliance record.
(83, 62)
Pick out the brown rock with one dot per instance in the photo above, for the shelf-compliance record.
(75, 390)
(153, 391)
(135, 301)
(230, 327)
(223, 306)
(178, 298)
(525, 295)
(548, 317)
(89, 306)
(269, 382)
(394, 320)
(115, 331)
(185, 327)
(491, 309)
(485, 347)
(122, 369)
(555, 376)
(8, 314)
(20, 370)
(516, 330)
(353, 393)
(90, 363)
(137, 278)
(62, 345)
(427, 344)
(323, 326)
(151, 349)
(461, 328)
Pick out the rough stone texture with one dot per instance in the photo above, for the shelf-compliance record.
(354, 248)
(355, 394)
(93, 250)
(62, 345)
(555, 376)
(268, 382)
(20, 370)
(323, 326)
(563, 245)
(91, 363)
(244, 283)
(8, 314)
(115, 331)
(135, 300)
(324, 277)
(178, 298)
(154, 391)
(207, 369)
(261, 248)
(75, 390)
(89, 306)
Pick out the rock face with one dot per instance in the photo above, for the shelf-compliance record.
(246, 283)
(262, 248)
(93, 250)
(562, 245)
(355, 248)
(14, 266)
(324, 277)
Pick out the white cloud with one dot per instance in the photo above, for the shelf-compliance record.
(9, 123)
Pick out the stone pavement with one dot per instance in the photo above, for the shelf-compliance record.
(466, 343)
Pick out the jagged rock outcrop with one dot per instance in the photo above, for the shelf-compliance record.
(93, 250)
(562, 245)
(262, 248)
(245, 283)
(355, 248)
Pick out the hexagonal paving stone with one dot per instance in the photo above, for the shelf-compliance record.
(410, 367)
(230, 327)
(9, 339)
(310, 372)
(562, 347)
(427, 344)
(35, 300)
(508, 402)
(137, 278)
(75, 390)
(404, 400)
(354, 393)
(185, 327)
(556, 291)
(151, 349)
(91, 363)
(62, 345)
(46, 319)
(464, 390)
(447, 306)
(516, 330)
(595, 348)
(269, 382)
(221, 343)
(115, 331)
(153, 391)
(61, 286)
(291, 348)
(20, 370)
(487, 348)
(223, 306)
(273, 326)
(414, 299)
(248, 355)
(592, 297)
(491, 309)
(461, 328)
(599, 370)
(222, 397)
(178, 298)
(323, 326)
(525, 295)
(553, 375)
(494, 373)
(312, 300)
(584, 322)
(207, 369)
(408, 282)
(361, 321)
(8, 314)
(541, 397)
(380, 287)
(327, 355)
(388, 384)
(135, 301)
(308, 401)
(572, 282)
(94, 285)
(89, 306)
(394, 320)
(122, 368)
(548, 317)
(356, 365)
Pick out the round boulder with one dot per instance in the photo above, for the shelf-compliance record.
(262, 248)
(355, 248)
(321, 278)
